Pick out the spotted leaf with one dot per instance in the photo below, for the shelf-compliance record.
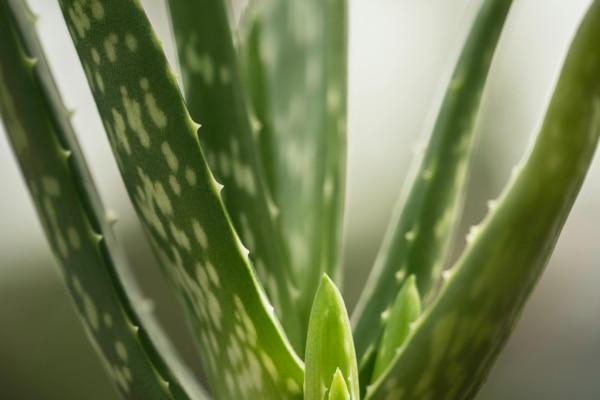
(134, 350)
(454, 344)
(215, 98)
(418, 240)
(295, 72)
(174, 193)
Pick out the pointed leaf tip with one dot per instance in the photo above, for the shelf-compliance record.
(405, 310)
(338, 389)
(330, 347)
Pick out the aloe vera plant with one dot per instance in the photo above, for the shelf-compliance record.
(238, 181)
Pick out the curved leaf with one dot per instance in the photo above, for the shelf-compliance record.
(398, 321)
(135, 352)
(418, 240)
(178, 201)
(215, 98)
(454, 344)
(295, 70)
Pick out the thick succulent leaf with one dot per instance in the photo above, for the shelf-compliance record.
(133, 348)
(418, 239)
(215, 99)
(456, 341)
(295, 71)
(329, 346)
(398, 321)
(173, 191)
(338, 389)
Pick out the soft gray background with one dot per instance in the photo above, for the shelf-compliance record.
(400, 53)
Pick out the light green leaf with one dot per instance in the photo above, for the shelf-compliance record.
(154, 140)
(454, 344)
(338, 389)
(398, 319)
(418, 240)
(295, 70)
(134, 350)
(215, 98)
(329, 345)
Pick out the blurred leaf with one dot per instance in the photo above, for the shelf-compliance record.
(454, 344)
(418, 239)
(398, 319)
(295, 70)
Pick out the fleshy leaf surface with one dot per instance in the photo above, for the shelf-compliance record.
(295, 72)
(338, 389)
(134, 350)
(153, 138)
(454, 344)
(329, 345)
(215, 98)
(399, 318)
(418, 239)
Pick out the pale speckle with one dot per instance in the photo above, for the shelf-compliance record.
(162, 199)
(171, 158)
(224, 164)
(156, 114)
(133, 113)
(95, 55)
(74, 239)
(51, 186)
(212, 274)
(224, 74)
(180, 236)
(131, 42)
(63, 249)
(190, 176)
(89, 76)
(121, 350)
(97, 10)
(79, 19)
(107, 320)
(99, 81)
(91, 312)
(200, 234)
(110, 47)
(269, 365)
(174, 184)
(120, 131)
(200, 63)
(144, 84)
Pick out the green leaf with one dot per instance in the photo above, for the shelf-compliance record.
(295, 71)
(454, 344)
(215, 98)
(134, 350)
(329, 346)
(405, 310)
(418, 240)
(338, 389)
(154, 140)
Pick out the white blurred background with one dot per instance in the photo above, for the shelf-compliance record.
(401, 52)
